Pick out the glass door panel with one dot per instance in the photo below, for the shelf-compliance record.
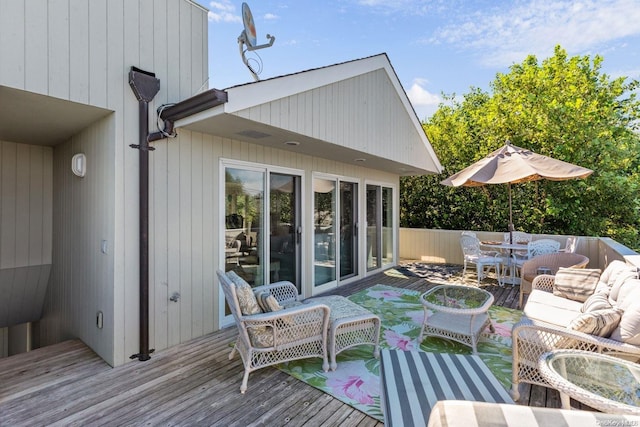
(348, 229)
(324, 198)
(244, 211)
(284, 228)
(387, 225)
(373, 227)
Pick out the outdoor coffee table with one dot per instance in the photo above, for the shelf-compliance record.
(605, 383)
(456, 312)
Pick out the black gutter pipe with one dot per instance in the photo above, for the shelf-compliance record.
(145, 86)
(197, 103)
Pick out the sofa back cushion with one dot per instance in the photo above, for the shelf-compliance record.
(611, 274)
(575, 283)
(625, 283)
(629, 329)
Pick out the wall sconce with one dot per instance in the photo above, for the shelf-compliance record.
(79, 164)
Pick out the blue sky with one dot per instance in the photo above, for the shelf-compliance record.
(435, 46)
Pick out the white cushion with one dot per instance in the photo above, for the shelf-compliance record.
(629, 328)
(575, 283)
(626, 282)
(616, 267)
(546, 307)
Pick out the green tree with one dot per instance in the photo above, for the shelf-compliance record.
(565, 108)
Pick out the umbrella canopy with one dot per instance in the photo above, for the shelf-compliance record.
(512, 165)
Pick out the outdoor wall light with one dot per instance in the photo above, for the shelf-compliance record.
(359, 160)
(291, 143)
(79, 164)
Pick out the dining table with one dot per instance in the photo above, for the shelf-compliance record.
(507, 249)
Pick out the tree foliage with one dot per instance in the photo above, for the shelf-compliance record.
(564, 108)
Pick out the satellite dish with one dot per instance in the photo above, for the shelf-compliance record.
(249, 26)
(249, 38)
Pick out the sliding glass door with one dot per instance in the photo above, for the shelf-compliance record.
(260, 203)
(348, 230)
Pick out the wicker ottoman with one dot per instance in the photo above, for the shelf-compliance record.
(349, 325)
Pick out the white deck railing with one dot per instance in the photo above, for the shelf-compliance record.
(442, 246)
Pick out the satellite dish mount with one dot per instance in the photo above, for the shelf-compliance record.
(248, 38)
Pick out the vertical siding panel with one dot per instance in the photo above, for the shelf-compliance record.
(79, 50)
(209, 235)
(173, 235)
(197, 227)
(97, 54)
(36, 40)
(185, 235)
(12, 36)
(114, 317)
(128, 303)
(36, 205)
(184, 21)
(58, 48)
(8, 170)
(47, 212)
(22, 205)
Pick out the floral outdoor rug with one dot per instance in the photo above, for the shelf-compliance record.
(356, 381)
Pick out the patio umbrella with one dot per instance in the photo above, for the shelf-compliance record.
(512, 165)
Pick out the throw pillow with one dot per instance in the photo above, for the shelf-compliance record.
(575, 283)
(598, 322)
(246, 299)
(597, 301)
(267, 302)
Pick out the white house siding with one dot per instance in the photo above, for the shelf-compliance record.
(185, 218)
(82, 51)
(25, 210)
(364, 113)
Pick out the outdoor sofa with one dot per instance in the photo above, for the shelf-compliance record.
(462, 413)
(578, 309)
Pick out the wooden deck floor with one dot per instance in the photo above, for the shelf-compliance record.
(189, 384)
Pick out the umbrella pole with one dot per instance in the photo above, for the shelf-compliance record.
(510, 216)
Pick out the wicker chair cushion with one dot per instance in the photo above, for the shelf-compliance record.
(267, 302)
(597, 301)
(599, 322)
(575, 283)
(246, 299)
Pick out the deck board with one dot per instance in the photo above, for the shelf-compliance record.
(193, 383)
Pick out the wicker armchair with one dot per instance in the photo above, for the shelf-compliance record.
(266, 339)
(551, 261)
(532, 338)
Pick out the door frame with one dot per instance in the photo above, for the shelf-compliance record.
(225, 163)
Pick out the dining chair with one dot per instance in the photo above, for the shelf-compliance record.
(482, 259)
(571, 245)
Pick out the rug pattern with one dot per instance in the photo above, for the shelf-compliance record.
(356, 381)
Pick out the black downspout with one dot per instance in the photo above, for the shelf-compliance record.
(145, 86)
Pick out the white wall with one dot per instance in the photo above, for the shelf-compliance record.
(82, 51)
(25, 210)
(184, 225)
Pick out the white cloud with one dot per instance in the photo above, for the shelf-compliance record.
(270, 17)
(419, 96)
(502, 36)
(223, 11)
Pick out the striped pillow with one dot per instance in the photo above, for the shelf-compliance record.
(599, 322)
(597, 301)
(267, 302)
(575, 283)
